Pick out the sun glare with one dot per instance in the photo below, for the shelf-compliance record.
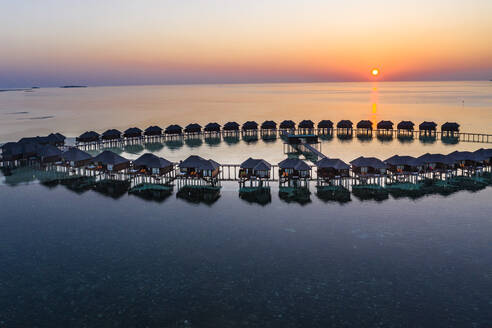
(375, 72)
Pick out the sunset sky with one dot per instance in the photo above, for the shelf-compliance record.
(49, 43)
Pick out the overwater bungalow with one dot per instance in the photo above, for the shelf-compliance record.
(364, 128)
(294, 169)
(89, 136)
(436, 162)
(75, 157)
(48, 153)
(193, 129)
(54, 139)
(306, 127)
(132, 133)
(467, 159)
(198, 167)
(368, 166)
(332, 168)
(111, 134)
(151, 164)
(485, 153)
(345, 128)
(450, 130)
(268, 125)
(231, 128)
(255, 169)
(405, 129)
(427, 129)
(403, 164)
(212, 128)
(287, 126)
(249, 126)
(385, 129)
(153, 131)
(109, 161)
(325, 127)
(173, 129)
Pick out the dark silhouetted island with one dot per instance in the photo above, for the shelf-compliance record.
(73, 86)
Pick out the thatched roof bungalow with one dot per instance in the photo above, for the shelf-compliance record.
(48, 153)
(111, 134)
(13, 151)
(258, 168)
(294, 168)
(76, 157)
(405, 125)
(231, 126)
(151, 164)
(385, 125)
(485, 154)
(465, 159)
(269, 125)
(368, 165)
(437, 162)
(109, 161)
(364, 125)
(193, 128)
(173, 129)
(450, 129)
(403, 164)
(345, 124)
(250, 125)
(198, 167)
(287, 125)
(325, 124)
(330, 168)
(153, 130)
(212, 127)
(132, 133)
(89, 136)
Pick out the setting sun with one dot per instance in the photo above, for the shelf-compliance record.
(375, 72)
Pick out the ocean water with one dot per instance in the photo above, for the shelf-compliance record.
(89, 259)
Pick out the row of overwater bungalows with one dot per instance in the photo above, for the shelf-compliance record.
(291, 168)
(288, 126)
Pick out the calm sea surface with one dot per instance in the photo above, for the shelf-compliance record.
(83, 259)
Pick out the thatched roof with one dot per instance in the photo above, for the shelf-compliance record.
(19, 148)
(199, 163)
(89, 135)
(437, 158)
(112, 133)
(153, 129)
(47, 151)
(405, 125)
(269, 125)
(173, 129)
(385, 125)
(306, 124)
(256, 164)
(212, 127)
(484, 153)
(467, 156)
(287, 124)
(107, 157)
(132, 132)
(325, 124)
(332, 163)
(450, 126)
(52, 139)
(364, 124)
(250, 125)
(151, 161)
(345, 124)
(368, 162)
(193, 128)
(75, 155)
(427, 126)
(403, 160)
(231, 126)
(294, 163)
